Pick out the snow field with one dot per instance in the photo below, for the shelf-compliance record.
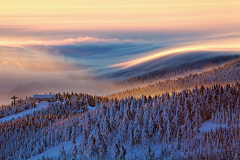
(208, 126)
(55, 151)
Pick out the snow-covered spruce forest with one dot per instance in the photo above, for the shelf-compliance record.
(167, 126)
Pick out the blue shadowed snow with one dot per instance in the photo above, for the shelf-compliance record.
(55, 151)
(208, 126)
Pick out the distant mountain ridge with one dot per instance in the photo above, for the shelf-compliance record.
(228, 73)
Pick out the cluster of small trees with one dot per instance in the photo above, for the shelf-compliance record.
(20, 106)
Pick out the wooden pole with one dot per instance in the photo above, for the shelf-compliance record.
(14, 97)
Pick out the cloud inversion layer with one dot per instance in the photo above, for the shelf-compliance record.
(217, 46)
(109, 59)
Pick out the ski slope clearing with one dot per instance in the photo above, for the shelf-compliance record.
(20, 114)
(208, 126)
(55, 151)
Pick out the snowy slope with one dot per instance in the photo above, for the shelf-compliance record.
(208, 125)
(55, 151)
(39, 106)
(91, 108)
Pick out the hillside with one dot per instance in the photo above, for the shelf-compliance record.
(228, 73)
(181, 125)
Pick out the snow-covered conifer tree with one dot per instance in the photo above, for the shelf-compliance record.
(149, 152)
(116, 151)
(73, 135)
(123, 152)
(74, 152)
(144, 136)
(151, 127)
(137, 135)
(92, 146)
(88, 122)
(63, 154)
(131, 140)
(169, 132)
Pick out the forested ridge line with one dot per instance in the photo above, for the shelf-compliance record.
(228, 73)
